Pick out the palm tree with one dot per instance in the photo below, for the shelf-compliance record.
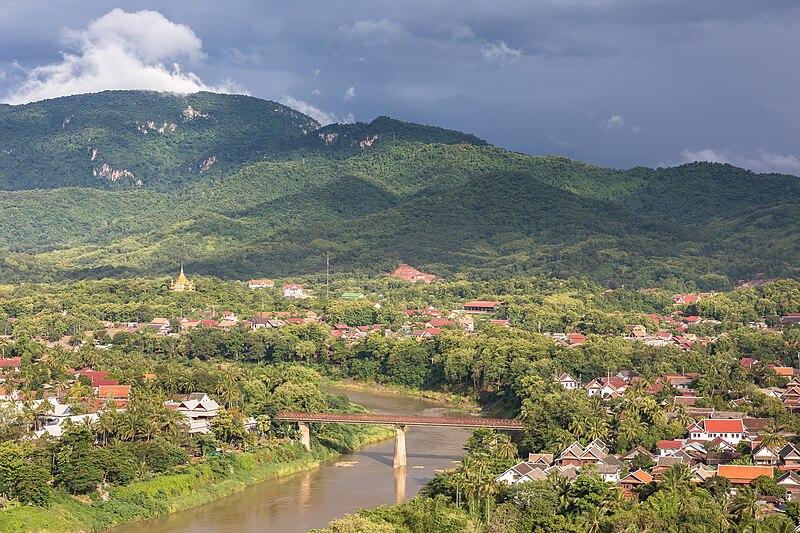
(107, 422)
(593, 519)
(744, 505)
(263, 424)
(504, 448)
(578, 426)
(678, 478)
(563, 489)
(773, 439)
(79, 390)
(598, 429)
(127, 425)
(487, 489)
(632, 428)
(681, 417)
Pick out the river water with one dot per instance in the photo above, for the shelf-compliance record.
(309, 500)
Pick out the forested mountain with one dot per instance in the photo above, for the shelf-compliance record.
(130, 183)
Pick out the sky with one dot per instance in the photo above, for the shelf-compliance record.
(613, 82)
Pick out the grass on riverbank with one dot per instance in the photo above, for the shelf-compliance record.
(188, 486)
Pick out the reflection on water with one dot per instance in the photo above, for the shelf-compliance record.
(309, 500)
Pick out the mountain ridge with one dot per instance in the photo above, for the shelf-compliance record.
(283, 191)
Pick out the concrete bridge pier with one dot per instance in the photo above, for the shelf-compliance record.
(399, 446)
(305, 434)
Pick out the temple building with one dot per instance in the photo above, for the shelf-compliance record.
(182, 284)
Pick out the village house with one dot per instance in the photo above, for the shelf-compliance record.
(199, 409)
(790, 318)
(260, 284)
(668, 448)
(114, 392)
(741, 475)
(292, 290)
(791, 482)
(567, 381)
(481, 307)
(11, 364)
(789, 457)
(606, 387)
(636, 331)
(161, 325)
(633, 480)
(765, 456)
(731, 430)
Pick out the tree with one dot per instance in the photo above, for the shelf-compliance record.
(767, 486)
(205, 442)
(773, 439)
(744, 506)
(504, 447)
(77, 468)
(228, 426)
(678, 479)
(31, 485)
(597, 429)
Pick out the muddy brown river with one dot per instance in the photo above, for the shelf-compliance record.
(309, 500)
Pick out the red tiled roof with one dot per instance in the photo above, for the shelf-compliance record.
(114, 391)
(718, 425)
(638, 477)
(669, 445)
(743, 473)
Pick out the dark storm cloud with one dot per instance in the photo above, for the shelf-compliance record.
(614, 82)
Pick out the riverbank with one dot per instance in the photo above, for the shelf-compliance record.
(189, 486)
(456, 402)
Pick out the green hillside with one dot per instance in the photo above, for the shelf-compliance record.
(243, 187)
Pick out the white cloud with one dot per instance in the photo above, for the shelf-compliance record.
(239, 57)
(374, 31)
(456, 31)
(617, 122)
(499, 51)
(761, 161)
(316, 92)
(120, 50)
(323, 117)
(350, 93)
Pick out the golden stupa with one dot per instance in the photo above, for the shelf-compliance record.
(182, 284)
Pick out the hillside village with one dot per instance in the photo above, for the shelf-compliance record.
(645, 424)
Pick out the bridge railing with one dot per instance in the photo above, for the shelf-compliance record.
(349, 418)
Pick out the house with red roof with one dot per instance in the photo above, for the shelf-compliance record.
(606, 387)
(481, 306)
(633, 480)
(748, 362)
(12, 364)
(730, 429)
(440, 323)
(743, 474)
(114, 392)
(667, 448)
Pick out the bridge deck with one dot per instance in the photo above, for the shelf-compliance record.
(496, 423)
